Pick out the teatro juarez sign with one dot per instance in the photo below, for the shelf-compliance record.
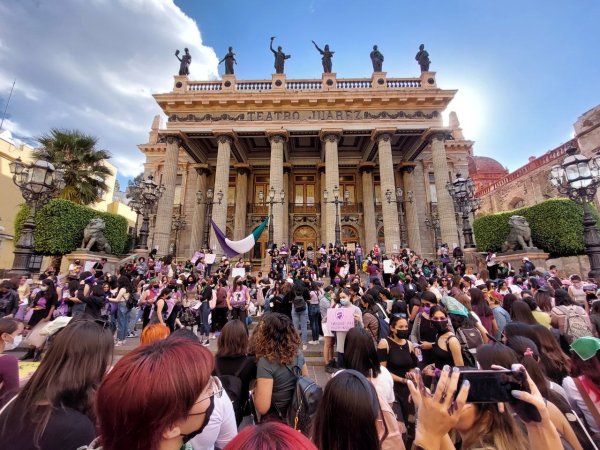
(269, 116)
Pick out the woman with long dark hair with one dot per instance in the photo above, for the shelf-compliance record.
(446, 348)
(125, 291)
(349, 416)
(480, 306)
(554, 360)
(41, 309)
(54, 409)
(521, 312)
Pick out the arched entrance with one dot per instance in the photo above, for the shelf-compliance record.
(305, 236)
(350, 235)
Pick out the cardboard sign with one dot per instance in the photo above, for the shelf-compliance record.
(340, 319)
(209, 258)
(388, 266)
(238, 271)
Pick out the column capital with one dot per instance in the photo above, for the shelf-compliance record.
(287, 167)
(170, 139)
(224, 136)
(366, 166)
(438, 135)
(321, 167)
(277, 136)
(382, 134)
(201, 168)
(406, 167)
(243, 168)
(330, 135)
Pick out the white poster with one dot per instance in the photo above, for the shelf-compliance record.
(388, 266)
(209, 258)
(238, 272)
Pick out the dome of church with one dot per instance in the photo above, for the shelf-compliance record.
(484, 164)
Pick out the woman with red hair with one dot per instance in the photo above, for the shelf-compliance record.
(153, 333)
(159, 396)
(270, 436)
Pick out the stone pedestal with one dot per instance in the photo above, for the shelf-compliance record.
(537, 257)
(85, 256)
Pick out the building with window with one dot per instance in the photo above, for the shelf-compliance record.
(362, 138)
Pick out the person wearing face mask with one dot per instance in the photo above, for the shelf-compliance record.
(343, 301)
(446, 349)
(179, 403)
(41, 313)
(10, 338)
(9, 299)
(238, 300)
(397, 354)
(423, 330)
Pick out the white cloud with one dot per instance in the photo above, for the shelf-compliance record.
(94, 65)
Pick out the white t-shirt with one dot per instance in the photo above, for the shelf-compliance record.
(221, 427)
(384, 385)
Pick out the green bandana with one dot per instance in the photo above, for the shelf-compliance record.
(586, 347)
(454, 306)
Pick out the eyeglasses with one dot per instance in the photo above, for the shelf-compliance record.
(215, 389)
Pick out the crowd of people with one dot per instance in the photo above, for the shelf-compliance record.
(403, 337)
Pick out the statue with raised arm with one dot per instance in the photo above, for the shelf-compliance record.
(326, 59)
(377, 60)
(229, 59)
(280, 57)
(185, 61)
(423, 58)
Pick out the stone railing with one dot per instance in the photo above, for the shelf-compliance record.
(527, 168)
(229, 83)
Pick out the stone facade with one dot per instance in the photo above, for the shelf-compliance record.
(361, 136)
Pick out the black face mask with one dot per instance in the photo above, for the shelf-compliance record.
(440, 325)
(402, 334)
(193, 434)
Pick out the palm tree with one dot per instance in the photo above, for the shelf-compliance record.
(76, 154)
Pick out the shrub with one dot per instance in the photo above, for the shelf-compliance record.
(556, 227)
(60, 224)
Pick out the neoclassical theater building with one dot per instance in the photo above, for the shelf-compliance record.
(359, 137)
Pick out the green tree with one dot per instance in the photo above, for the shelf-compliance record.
(76, 154)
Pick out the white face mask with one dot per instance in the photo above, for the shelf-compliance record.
(44, 288)
(14, 344)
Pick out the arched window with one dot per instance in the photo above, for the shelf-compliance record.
(516, 203)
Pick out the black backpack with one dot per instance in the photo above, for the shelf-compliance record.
(306, 399)
(299, 303)
(233, 386)
(469, 338)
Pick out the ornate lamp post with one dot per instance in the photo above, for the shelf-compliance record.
(462, 191)
(578, 177)
(336, 201)
(145, 196)
(399, 199)
(271, 202)
(433, 221)
(177, 225)
(38, 183)
(207, 199)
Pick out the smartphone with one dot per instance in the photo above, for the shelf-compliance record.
(495, 386)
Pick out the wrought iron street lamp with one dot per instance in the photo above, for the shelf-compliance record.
(433, 222)
(462, 191)
(399, 199)
(271, 202)
(38, 183)
(144, 198)
(578, 177)
(207, 199)
(336, 201)
(177, 225)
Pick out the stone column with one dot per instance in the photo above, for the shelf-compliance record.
(412, 218)
(241, 201)
(332, 179)
(219, 211)
(389, 210)
(199, 215)
(276, 182)
(368, 197)
(445, 203)
(286, 205)
(322, 184)
(164, 212)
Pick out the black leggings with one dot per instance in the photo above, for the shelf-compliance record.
(219, 319)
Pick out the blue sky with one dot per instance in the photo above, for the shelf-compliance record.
(525, 70)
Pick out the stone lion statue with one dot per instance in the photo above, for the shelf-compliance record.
(93, 236)
(519, 237)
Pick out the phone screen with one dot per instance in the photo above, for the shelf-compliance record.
(491, 386)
